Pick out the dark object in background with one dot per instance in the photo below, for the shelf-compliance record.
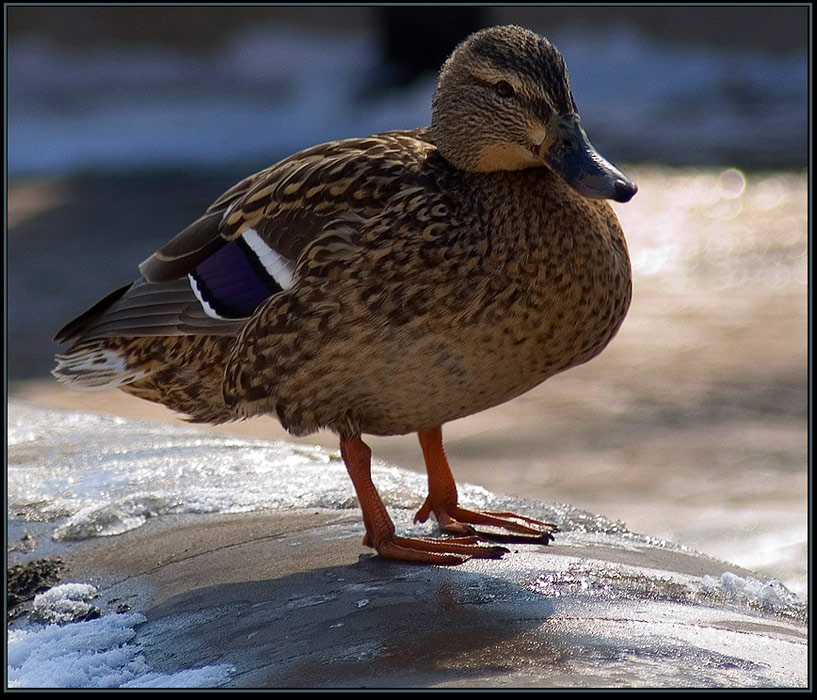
(417, 40)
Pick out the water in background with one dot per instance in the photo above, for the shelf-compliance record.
(271, 91)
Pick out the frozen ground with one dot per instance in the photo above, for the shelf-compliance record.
(157, 594)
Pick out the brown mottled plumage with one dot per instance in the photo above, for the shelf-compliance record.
(388, 284)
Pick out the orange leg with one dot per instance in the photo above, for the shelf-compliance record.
(380, 528)
(442, 498)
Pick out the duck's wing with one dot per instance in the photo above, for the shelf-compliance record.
(210, 278)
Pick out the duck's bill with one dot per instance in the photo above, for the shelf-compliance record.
(570, 154)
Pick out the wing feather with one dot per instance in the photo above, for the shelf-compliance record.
(270, 219)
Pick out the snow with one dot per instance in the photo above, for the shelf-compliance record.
(65, 603)
(767, 595)
(93, 654)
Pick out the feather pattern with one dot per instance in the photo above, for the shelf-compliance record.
(231, 283)
(95, 367)
(388, 284)
(330, 287)
(212, 276)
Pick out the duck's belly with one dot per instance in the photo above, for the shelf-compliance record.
(451, 367)
(444, 377)
(396, 380)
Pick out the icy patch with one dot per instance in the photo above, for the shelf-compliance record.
(96, 475)
(104, 475)
(768, 596)
(93, 654)
(614, 582)
(65, 603)
(606, 582)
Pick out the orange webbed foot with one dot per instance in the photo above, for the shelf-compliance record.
(442, 500)
(457, 520)
(380, 529)
(433, 550)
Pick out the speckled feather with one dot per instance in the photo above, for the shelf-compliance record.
(423, 291)
(489, 309)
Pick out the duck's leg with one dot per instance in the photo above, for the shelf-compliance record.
(442, 498)
(380, 528)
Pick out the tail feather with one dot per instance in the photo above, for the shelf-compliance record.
(93, 367)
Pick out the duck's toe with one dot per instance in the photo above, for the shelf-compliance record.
(458, 520)
(433, 550)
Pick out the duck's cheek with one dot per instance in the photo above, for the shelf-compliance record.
(538, 136)
(506, 156)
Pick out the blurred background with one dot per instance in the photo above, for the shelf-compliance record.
(124, 123)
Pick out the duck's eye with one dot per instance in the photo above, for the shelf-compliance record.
(504, 89)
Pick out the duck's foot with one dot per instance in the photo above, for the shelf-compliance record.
(442, 501)
(460, 521)
(380, 529)
(449, 551)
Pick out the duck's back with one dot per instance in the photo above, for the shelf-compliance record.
(166, 336)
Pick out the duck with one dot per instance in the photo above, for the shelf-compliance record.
(388, 284)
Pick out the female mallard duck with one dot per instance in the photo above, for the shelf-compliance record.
(388, 284)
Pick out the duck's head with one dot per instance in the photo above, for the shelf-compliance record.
(503, 102)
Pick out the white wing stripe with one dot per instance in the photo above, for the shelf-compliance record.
(279, 268)
(205, 305)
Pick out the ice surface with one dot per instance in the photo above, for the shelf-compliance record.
(92, 478)
(621, 581)
(68, 602)
(769, 595)
(614, 606)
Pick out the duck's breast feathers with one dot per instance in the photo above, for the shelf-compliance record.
(244, 249)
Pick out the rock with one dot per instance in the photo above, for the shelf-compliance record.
(24, 581)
